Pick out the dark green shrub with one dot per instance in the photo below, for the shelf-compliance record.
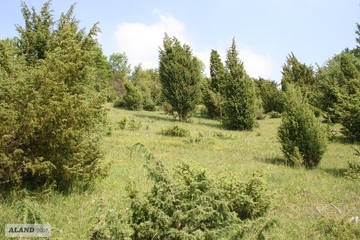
(51, 115)
(349, 111)
(118, 102)
(175, 131)
(190, 204)
(353, 171)
(274, 114)
(132, 98)
(303, 139)
(337, 228)
(129, 123)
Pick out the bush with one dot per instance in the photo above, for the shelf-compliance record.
(303, 139)
(353, 171)
(189, 204)
(51, 116)
(175, 131)
(337, 228)
(129, 123)
(274, 114)
(349, 111)
(132, 98)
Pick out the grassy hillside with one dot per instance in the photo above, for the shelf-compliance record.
(301, 196)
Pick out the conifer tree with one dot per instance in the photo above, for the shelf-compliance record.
(238, 108)
(213, 87)
(52, 117)
(180, 76)
(302, 138)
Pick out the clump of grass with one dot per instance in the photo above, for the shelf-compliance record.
(175, 131)
(223, 136)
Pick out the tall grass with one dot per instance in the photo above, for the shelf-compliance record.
(303, 196)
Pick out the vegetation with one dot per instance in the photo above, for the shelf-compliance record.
(200, 179)
(302, 138)
(52, 116)
(180, 75)
(238, 107)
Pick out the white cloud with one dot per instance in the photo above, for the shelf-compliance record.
(255, 64)
(141, 42)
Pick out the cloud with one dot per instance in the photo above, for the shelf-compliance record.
(255, 64)
(141, 42)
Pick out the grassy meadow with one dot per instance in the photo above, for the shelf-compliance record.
(301, 196)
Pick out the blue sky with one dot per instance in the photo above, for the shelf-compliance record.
(266, 31)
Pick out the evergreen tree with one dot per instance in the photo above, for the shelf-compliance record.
(212, 88)
(51, 115)
(302, 138)
(180, 76)
(271, 96)
(238, 107)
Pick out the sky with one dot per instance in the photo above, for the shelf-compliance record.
(265, 31)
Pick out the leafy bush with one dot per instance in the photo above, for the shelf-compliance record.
(175, 131)
(303, 139)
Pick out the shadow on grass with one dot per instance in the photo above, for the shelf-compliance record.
(336, 172)
(275, 161)
(160, 117)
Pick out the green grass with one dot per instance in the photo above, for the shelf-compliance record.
(299, 193)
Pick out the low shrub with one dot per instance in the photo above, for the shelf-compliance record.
(274, 114)
(188, 203)
(175, 131)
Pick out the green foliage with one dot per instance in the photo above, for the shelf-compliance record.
(349, 114)
(148, 83)
(109, 224)
(353, 171)
(302, 138)
(52, 116)
(238, 107)
(129, 123)
(337, 228)
(189, 204)
(175, 131)
(274, 114)
(271, 96)
(118, 63)
(213, 88)
(212, 102)
(132, 99)
(29, 212)
(180, 76)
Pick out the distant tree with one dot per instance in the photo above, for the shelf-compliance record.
(303, 77)
(180, 75)
(302, 138)
(271, 96)
(119, 63)
(133, 98)
(212, 88)
(238, 107)
(51, 116)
